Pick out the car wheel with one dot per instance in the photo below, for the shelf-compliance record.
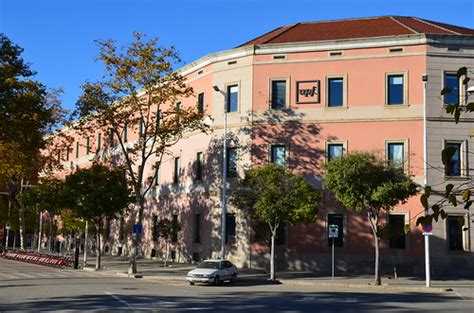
(191, 283)
(233, 278)
(217, 281)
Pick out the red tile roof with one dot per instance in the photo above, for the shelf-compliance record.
(357, 28)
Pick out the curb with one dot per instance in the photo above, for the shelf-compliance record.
(343, 285)
(296, 282)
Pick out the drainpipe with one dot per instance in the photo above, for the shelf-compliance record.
(425, 180)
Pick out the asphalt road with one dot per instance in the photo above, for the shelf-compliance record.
(27, 287)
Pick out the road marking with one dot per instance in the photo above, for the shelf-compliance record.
(254, 306)
(197, 308)
(117, 298)
(350, 300)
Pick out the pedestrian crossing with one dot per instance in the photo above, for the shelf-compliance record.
(46, 274)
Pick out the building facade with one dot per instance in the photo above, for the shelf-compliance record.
(299, 96)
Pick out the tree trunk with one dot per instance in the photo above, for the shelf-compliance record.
(22, 227)
(373, 219)
(166, 253)
(50, 243)
(272, 256)
(132, 264)
(97, 249)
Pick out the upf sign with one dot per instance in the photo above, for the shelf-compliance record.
(307, 91)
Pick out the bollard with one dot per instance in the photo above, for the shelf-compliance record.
(76, 254)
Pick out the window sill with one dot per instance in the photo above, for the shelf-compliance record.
(396, 106)
(457, 178)
(339, 108)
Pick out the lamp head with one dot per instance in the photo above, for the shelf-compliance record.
(216, 88)
(470, 91)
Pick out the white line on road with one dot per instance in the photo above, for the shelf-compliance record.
(117, 298)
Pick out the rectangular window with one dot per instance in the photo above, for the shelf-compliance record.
(396, 235)
(231, 162)
(125, 132)
(177, 169)
(77, 149)
(455, 235)
(395, 89)
(199, 166)
(174, 228)
(230, 226)
(154, 231)
(99, 142)
(157, 173)
(334, 150)
(396, 154)
(68, 150)
(336, 219)
(335, 92)
(197, 228)
(453, 167)
(278, 155)
(278, 101)
(87, 145)
(451, 80)
(232, 98)
(200, 103)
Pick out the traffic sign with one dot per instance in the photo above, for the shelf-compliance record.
(425, 233)
(428, 228)
(137, 228)
(333, 231)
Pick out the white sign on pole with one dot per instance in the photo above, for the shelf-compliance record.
(333, 231)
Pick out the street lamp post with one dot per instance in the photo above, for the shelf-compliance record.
(224, 177)
(40, 234)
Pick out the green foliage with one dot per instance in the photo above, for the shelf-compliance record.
(28, 112)
(451, 191)
(97, 193)
(359, 181)
(48, 195)
(273, 194)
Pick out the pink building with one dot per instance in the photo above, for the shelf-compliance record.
(299, 96)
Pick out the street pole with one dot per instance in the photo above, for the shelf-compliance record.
(85, 244)
(39, 232)
(224, 177)
(224, 184)
(425, 181)
(333, 258)
(8, 224)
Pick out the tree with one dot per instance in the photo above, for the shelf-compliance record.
(453, 194)
(274, 195)
(167, 230)
(140, 89)
(96, 194)
(362, 183)
(47, 195)
(28, 112)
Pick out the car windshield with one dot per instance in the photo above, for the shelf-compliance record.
(214, 265)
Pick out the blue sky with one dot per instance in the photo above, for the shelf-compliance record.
(58, 35)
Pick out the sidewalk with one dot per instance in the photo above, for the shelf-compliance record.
(154, 270)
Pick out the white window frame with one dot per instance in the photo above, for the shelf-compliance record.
(464, 158)
(287, 91)
(406, 151)
(405, 89)
(344, 90)
(334, 142)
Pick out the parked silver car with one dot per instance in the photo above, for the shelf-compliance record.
(213, 272)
